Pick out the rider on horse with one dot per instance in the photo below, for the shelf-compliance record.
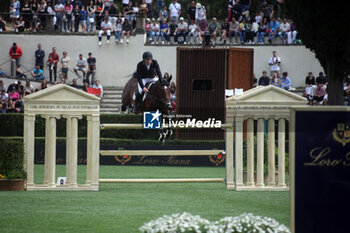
(147, 71)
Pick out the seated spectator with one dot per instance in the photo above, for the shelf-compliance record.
(2, 24)
(10, 105)
(309, 85)
(321, 79)
(28, 88)
(148, 29)
(86, 86)
(192, 32)
(224, 30)
(292, 34)
(2, 73)
(155, 32)
(74, 84)
(200, 14)
(164, 31)
(255, 31)
(98, 86)
(285, 81)
(11, 86)
(284, 30)
(2, 86)
(259, 17)
(275, 80)
(36, 25)
(43, 85)
(19, 25)
(80, 66)
(264, 80)
(20, 88)
(202, 28)
(242, 31)
(3, 101)
(264, 30)
(20, 73)
(213, 30)
(106, 27)
(172, 31)
(319, 95)
(234, 30)
(127, 29)
(38, 73)
(14, 95)
(274, 27)
(249, 35)
(182, 30)
(118, 28)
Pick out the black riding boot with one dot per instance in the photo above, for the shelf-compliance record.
(138, 98)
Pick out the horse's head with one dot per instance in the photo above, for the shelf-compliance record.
(160, 93)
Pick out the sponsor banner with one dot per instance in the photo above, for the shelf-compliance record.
(215, 160)
(322, 171)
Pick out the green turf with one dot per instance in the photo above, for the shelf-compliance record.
(125, 207)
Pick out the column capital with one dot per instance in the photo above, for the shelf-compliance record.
(70, 116)
(239, 118)
(48, 116)
(29, 116)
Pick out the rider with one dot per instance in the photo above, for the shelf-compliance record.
(147, 71)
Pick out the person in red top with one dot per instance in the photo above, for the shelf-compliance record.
(52, 63)
(15, 52)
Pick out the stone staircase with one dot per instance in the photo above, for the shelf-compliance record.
(112, 100)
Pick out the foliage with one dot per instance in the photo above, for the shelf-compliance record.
(11, 160)
(186, 222)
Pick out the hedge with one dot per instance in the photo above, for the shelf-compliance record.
(11, 159)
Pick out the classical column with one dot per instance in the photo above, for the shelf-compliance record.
(229, 159)
(271, 152)
(93, 149)
(260, 153)
(281, 152)
(239, 150)
(89, 150)
(250, 152)
(29, 142)
(50, 150)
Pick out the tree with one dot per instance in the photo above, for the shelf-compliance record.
(323, 29)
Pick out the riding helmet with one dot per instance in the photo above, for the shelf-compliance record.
(147, 55)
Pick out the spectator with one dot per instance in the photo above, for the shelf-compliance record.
(234, 30)
(67, 17)
(284, 30)
(27, 14)
(274, 30)
(91, 61)
(213, 30)
(77, 15)
(59, 10)
(255, 31)
(14, 95)
(113, 13)
(34, 7)
(42, 9)
(275, 80)
(19, 25)
(39, 57)
(200, 15)
(80, 66)
(182, 28)
(106, 27)
(321, 79)
(144, 9)
(319, 95)
(43, 85)
(98, 86)
(2, 24)
(259, 17)
(20, 88)
(292, 34)
(85, 86)
(19, 72)
(11, 86)
(15, 53)
(118, 28)
(202, 28)
(267, 11)
(36, 24)
(14, 10)
(155, 32)
(74, 84)
(38, 73)
(160, 6)
(164, 13)
(2, 86)
(99, 12)
(191, 12)
(91, 9)
(10, 106)
(274, 63)
(150, 8)
(175, 11)
(231, 4)
(52, 63)
(148, 29)
(249, 35)
(28, 88)
(172, 31)
(126, 30)
(285, 81)
(2, 73)
(263, 30)
(164, 31)
(264, 80)
(64, 67)
(3, 101)
(309, 85)
(193, 32)
(224, 30)
(242, 31)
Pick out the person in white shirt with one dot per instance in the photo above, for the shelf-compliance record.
(80, 66)
(200, 13)
(192, 32)
(155, 32)
(275, 63)
(175, 11)
(98, 86)
(284, 29)
(105, 28)
(59, 10)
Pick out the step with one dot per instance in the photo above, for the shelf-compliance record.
(105, 106)
(112, 96)
(111, 101)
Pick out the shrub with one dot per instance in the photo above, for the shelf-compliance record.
(11, 159)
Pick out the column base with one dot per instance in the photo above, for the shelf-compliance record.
(250, 183)
(271, 184)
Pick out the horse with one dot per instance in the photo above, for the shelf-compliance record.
(158, 97)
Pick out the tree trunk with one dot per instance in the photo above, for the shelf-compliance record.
(335, 84)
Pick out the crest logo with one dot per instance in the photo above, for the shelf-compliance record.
(217, 159)
(122, 159)
(342, 133)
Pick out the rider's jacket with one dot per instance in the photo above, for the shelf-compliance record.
(143, 72)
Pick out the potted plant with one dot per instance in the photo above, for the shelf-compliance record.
(12, 173)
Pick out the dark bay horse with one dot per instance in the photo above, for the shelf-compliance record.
(158, 96)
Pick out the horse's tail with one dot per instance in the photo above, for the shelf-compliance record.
(123, 108)
(128, 91)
